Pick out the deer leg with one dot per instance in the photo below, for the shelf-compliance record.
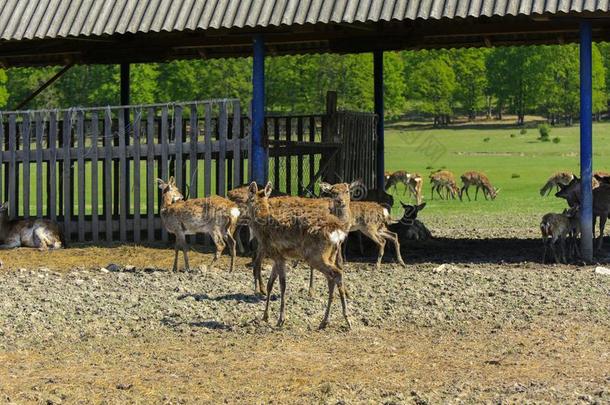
(310, 292)
(344, 251)
(465, 189)
(331, 293)
(259, 287)
(181, 241)
(282, 275)
(438, 191)
(476, 193)
(602, 225)
(220, 246)
(343, 294)
(270, 282)
(544, 244)
(232, 246)
(240, 244)
(380, 243)
(554, 249)
(176, 250)
(360, 244)
(386, 233)
(432, 196)
(562, 246)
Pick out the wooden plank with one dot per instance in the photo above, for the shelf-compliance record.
(52, 181)
(25, 137)
(12, 166)
(237, 175)
(38, 129)
(123, 207)
(137, 113)
(288, 158)
(107, 166)
(312, 157)
(180, 181)
(300, 157)
(193, 162)
(164, 153)
(150, 175)
(207, 184)
(276, 161)
(95, 226)
(80, 133)
(67, 175)
(222, 153)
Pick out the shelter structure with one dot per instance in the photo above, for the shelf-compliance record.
(66, 32)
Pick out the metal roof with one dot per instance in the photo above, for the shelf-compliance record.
(45, 19)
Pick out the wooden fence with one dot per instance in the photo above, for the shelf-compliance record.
(94, 169)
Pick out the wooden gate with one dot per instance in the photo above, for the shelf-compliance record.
(94, 169)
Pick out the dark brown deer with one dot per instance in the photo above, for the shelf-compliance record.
(601, 203)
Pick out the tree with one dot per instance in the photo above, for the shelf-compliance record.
(471, 79)
(432, 83)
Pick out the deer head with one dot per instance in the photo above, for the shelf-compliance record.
(169, 190)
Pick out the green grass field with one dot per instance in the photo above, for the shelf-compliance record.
(519, 165)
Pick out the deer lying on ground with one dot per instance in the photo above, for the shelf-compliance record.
(601, 203)
(213, 215)
(557, 228)
(444, 179)
(409, 227)
(307, 234)
(412, 182)
(34, 233)
(563, 178)
(480, 181)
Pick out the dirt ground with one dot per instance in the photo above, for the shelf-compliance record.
(473, 317)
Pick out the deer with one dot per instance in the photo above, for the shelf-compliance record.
(412, 182)
(554, 181)
(601, 203)
(216, 216)
(409, 227)
(556, 228)
(444, 179)
(480, 180)
(39, 233)
(308, 234)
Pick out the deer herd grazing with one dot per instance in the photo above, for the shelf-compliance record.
(315, 230)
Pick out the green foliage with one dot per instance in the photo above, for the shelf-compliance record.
(545, 131)
(513, 135)
(523, 131)
(515, 176)
(486, 139)
(556, 139)
(3, 89)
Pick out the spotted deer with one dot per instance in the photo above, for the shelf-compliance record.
(413, 182)
(480, 181)
(556, 229)
(444, 180)
(216, 216)
(32, 232)
(601, 203)
(563, 178)
(306, 234)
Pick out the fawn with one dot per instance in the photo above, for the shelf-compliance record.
(35, 233)
(444, 179)
(213, 215)
(412, 182)
(563, 178)
(601, 203)
(308, 234)
(556, 228)
(479, 180)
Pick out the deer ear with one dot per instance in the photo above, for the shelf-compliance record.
(4, 206)
(268, 189)
(356, 183)
(171, 181)
(252, 188)
(161, 184)
(325, 187)
(421, 206)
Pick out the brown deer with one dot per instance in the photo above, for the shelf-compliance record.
(563, 178)
(307, 234)
(556, 228)
(480, 181)
(412, 182)
(213, 215)
(32, 232)
(444, 179)
(601, 203)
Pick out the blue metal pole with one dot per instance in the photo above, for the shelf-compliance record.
(586, 143)
(378, 91)
(258, 157)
